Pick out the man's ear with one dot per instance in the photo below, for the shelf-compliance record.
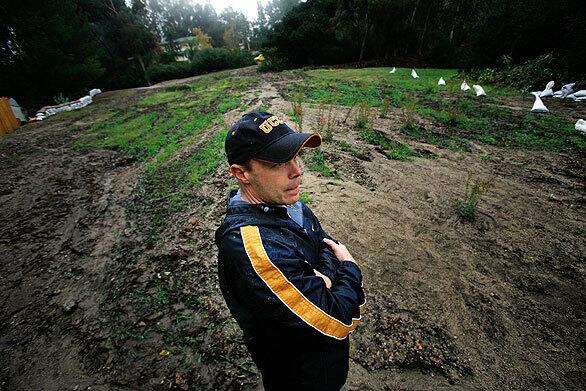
(240, 173)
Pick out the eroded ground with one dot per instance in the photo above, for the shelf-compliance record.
(108, 267)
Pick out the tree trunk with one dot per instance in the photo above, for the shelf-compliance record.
(144, 72)
(363, 45)
(455, 22)
(424, 31)
(414, 12)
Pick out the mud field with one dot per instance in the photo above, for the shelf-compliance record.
(89, 301)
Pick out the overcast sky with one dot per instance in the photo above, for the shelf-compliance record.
(248, 7)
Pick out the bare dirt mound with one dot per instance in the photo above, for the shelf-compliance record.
(91, 300)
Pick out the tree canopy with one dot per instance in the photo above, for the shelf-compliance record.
(68, 46)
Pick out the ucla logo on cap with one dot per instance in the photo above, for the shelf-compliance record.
(270, 123)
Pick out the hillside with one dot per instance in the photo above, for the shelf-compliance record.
(108, 264)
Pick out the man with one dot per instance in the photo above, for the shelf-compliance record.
(295, 292)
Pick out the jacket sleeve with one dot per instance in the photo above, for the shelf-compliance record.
(277, 284)
(327, 263)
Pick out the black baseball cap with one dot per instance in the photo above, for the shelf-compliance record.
(265, 136)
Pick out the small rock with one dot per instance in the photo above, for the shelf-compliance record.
(69, 306)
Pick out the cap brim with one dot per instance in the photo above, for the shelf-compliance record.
(287, 147)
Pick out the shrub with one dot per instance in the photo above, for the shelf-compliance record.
(206, 60)
(216, 59)
(273, 61)
(534, 73)
(160, 72)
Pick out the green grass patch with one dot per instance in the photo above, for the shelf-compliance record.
(305, 198)
(161, 97)
(157, 129)
(316, 162)
(458, 117)
(169, 188)
(392, 149)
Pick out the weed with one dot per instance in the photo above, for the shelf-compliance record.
(409, 107)
(297, 106)
(363, 116)
(474, 190)
(162, 295)
(386, 105)
(349, 112)
(60, 99)
(325, 121)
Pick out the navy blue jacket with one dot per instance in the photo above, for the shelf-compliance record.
(294, 327)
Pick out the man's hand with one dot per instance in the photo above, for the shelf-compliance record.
(340, 251)
(326, 278)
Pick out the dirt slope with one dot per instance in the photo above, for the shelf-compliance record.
(497, 304)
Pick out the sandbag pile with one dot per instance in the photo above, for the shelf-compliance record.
(567, 92)
(48, 111)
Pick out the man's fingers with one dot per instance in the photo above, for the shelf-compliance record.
(330, 242)
(340, 251)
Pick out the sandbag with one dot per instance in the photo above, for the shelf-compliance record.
(16, 110)
(581, 126)
(548, 90)
(580, 94)
(464, 86)
(393, 70)
(538, 106)
(86, 100)
(558, 94)
(441, 82)
(567, 89)
(479, 90)
(414, 74)
(95, 92)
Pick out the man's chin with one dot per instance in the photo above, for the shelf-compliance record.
(290, 199)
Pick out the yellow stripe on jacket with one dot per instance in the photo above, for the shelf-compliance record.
(287, 292)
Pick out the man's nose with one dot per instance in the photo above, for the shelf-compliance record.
(294, 169)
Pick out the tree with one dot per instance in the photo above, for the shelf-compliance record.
(63, 56)
(203, 40)
(123, 37)
(359, 14)
(237, 27)
(231, 41)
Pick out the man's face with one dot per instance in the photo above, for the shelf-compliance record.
(275, 183)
